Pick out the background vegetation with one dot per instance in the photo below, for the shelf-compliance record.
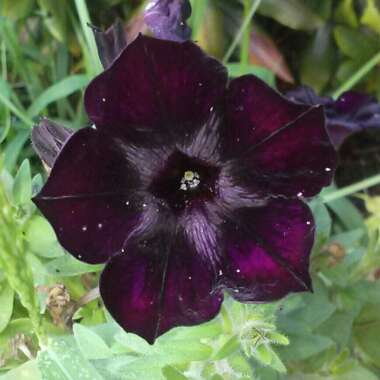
(52, 325)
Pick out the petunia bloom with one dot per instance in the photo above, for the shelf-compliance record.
(351, 112)
(186, 186)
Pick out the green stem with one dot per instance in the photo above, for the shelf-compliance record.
(365, 69)
(244, 51)
(352, 189)
(244, 26)
(85, 21)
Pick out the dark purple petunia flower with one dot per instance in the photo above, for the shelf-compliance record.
(188, 185)
(167, 19)
(350, 113)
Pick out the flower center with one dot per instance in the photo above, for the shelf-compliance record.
(184, 180)
(190, 181)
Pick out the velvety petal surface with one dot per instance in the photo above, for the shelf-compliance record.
(156, 85)
(254, 111)
(89, 197)
(48, 139)
(159, 283)
(167, 19)
(267, 251)
(298, 159)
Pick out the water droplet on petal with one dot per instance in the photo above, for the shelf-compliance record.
(84, 228)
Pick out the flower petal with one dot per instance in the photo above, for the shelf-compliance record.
(48, 139)
(267, 251)
(254, 111)
(157, 285)
(88, 197)
(297, 159)
(167, 19)
(156, 85)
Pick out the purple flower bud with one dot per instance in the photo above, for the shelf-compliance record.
(167, 19)
(48, 139)
(110, 43)
(350, 113)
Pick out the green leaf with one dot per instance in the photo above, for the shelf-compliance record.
(13, 260)
(13, 150)
(22, 187)
(322, 221)
(133, 343)
(228, 348)
(237, 70)
(263, 354)
(56, 18)
(57, 91)
(338, 327)
(37, 183)
(371, 16)
(355, 44)
(304, 346)
(182, 352)
(357, 372)
(26, 371)
(347, 213)
(346, 69)
(16, 326)
(91, 345)
(207, 330)
(16, 9)
(62, 360)
(277, 338)
(241, 366)
(292, 13)
(345, 13)
(349, 239)
(42, 239)
(171, 373)
(319, 59)
(67, 265)
(6, 304)
(367, 331)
